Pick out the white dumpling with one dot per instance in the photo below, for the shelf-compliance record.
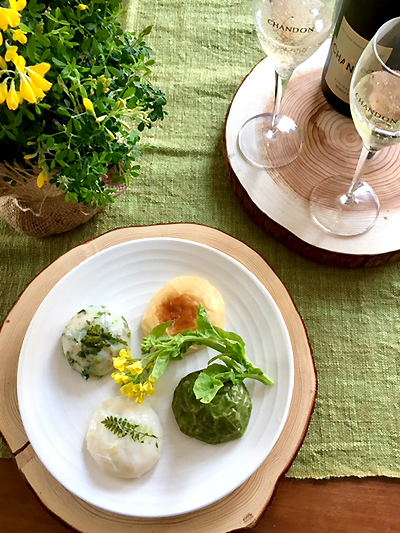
(124, 456)
(92, 338)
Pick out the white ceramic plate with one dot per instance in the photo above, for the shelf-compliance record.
(56, 404)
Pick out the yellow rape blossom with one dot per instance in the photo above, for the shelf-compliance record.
(1, 38)
(134, 368)
(12, 98)
(131, 390)
(9, 17)
(82, 7)
(3, 64)
(119, 362)
(134, 376)
(42, 178)
(20, 36)
(149, 388)
(138, 390)
(120, 378)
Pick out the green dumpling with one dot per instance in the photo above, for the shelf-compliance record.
(224, 419)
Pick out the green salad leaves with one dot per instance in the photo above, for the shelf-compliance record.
(137, 376)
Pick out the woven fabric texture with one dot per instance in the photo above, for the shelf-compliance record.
(204, 49)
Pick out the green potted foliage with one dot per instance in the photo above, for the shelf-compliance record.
(75, 95)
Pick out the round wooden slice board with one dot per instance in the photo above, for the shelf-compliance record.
(278, 199)
(244, 506)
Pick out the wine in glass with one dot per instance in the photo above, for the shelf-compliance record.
(290, 31)
(345, 206)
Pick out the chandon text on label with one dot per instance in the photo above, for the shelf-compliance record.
(291, 29)
(342, 60)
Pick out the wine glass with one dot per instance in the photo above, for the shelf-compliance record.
(345, 206)
(289, 31)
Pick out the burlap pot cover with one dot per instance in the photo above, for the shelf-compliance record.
(49, 216)
(40, 212)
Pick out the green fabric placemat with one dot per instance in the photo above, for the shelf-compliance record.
(204, 49)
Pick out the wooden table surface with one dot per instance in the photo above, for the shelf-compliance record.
(346, 505)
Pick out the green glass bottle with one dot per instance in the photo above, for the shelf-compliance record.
(357, 23)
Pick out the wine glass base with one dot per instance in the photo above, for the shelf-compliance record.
(341, 214)
(267, 146)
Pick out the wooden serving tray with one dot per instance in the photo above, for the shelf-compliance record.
(244, 506)
(278, 199)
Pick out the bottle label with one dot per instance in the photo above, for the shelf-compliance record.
(347, 48)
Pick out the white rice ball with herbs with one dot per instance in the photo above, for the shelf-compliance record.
(125, 438)
(92, 338)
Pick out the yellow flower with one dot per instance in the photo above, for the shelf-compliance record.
(9, 17)
(1, 38)
(12, 98)
(17, 5)
(3, 64)
(119, 362)
(88, 105)
(36, 73)
(30, 156)
(36, 90)
(40, 68)
(19, 62)
(120, 378)
(42, 178)
(110, 133)
(82, 7)
(25, 89)
(134, 368)
(125, 353)
(149, 388)
(11, 53)
(3, 92)
(130, 390)
(20, 36)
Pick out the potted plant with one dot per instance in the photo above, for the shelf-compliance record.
(75, 95)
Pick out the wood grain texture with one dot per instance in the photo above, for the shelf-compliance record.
(278, 199)
(349, 505)
(244, 506)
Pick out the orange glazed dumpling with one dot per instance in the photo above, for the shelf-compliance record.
(178, 301)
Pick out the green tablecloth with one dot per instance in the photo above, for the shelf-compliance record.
(204, 49)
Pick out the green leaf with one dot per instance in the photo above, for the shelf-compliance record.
(203, 322)
(208, 383)
(49, 143)
(97, 69)
(58, 63)
(160, 365)
(159, 330)
(63, 111)
(115, 72)
(102, 34)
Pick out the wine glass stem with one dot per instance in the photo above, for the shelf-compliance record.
(280, 86)
(365, 157)
(277, 98)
